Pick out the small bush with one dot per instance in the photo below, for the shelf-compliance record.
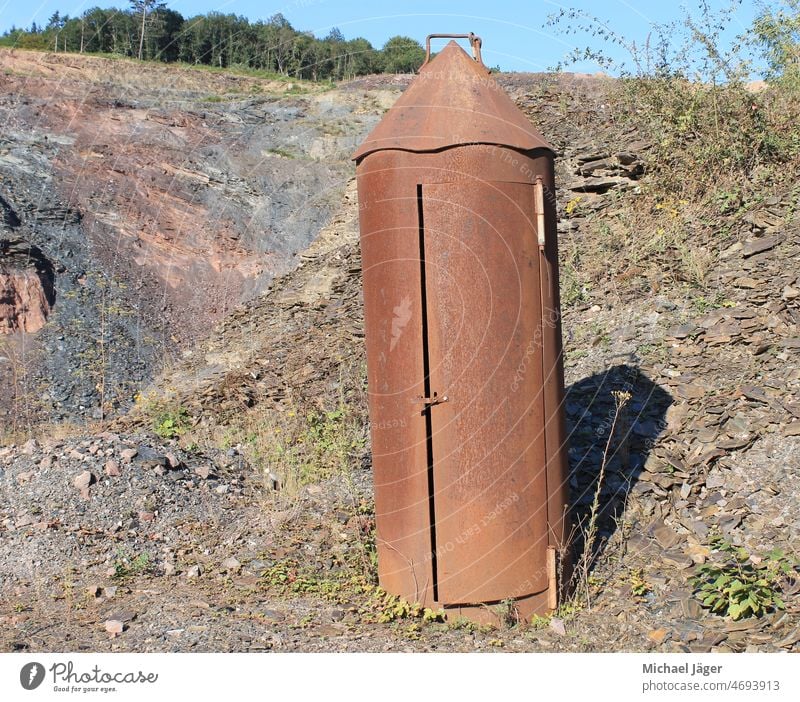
(171, 423)
(298, 447)
(638, 583)
(776, 33)
(282, 153)
(389, 608)
(127, 565)
(691, 98)
(740, 586)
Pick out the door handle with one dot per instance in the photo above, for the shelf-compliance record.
(435, 400)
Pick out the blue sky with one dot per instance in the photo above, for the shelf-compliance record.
(515, 34)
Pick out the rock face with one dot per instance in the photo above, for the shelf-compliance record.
(23, 304)
(26, 288)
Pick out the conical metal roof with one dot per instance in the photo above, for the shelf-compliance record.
(452, 101)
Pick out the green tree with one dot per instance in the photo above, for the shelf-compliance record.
(54, 25)
(776, 31)
(143, 7)
(283, 39)
(402, 55)
(335, 36)
(151, 31)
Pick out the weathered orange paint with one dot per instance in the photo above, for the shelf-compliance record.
(463, 344)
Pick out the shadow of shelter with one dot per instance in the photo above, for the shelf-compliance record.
(616, 444)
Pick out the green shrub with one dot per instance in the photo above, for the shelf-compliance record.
(126, 565)
(692, 100)
(776, 33)
(171, 423)
(740, 586)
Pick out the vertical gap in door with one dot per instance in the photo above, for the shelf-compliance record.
(426, 365)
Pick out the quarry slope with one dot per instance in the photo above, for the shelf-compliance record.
(160, 198)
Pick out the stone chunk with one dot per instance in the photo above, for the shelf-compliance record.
(665, 535)
(83, 480)
(114, 627)
(758, 245)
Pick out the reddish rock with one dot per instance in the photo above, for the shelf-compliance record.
(23, 302)
(128, 454)
(657, 636)
(114, 627)
(83, 480)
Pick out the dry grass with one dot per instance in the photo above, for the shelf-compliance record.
(582, 575)
(48, 432)
(130, 72)
(298, 441)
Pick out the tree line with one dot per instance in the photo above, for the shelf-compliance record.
(149, 30)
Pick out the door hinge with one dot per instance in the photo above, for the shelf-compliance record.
(552, 578)
(538, 205)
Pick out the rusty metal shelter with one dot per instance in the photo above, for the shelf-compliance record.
(458, 237)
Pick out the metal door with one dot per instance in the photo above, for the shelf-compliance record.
(482, 336)
(390, 246)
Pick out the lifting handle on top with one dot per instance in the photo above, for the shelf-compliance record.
(474, 41)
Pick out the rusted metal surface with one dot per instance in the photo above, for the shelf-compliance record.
(463, 345)
(452, 101)
(488, 442)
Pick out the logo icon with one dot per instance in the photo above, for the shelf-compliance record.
(31, 675)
